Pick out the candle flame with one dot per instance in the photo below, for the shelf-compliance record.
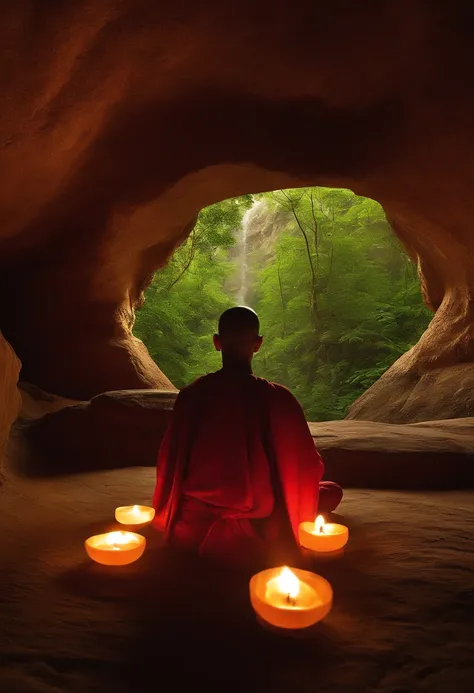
(288, 583)
(319, 525)
(114, 538)
(136, 510)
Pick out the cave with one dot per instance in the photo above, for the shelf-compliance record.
(120, 122)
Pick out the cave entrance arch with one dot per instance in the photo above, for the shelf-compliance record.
(338, 297)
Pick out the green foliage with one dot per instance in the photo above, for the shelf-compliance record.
(186, 297)
(339, 302)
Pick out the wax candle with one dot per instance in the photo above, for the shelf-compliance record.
(134, 515)
(287, 591)
(322, 537)
(115, 548)
(290, 598)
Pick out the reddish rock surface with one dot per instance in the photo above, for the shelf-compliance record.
(406, 395)
(10, 396)
(428, 455)
(120, 120)
(113, 430)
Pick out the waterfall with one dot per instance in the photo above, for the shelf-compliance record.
(243, 260)
(244, 249)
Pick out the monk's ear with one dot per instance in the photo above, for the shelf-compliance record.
(258, 344)
(217, 342)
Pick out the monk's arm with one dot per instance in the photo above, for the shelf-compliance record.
(166, 462)
(299, 464)
(292, 428)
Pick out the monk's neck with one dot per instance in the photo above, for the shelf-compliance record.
(237, 367)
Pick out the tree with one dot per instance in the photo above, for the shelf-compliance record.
(339, 300)
(185, 298)
(351, 302)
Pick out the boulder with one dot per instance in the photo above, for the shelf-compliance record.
(112, 430)
(428, 455)
(35, 403)
(404, 396)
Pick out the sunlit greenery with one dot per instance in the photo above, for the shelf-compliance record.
(339, 301)
(186, 297)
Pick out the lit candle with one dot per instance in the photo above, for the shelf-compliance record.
(115, 548)
(134, 515)
(322, 537)
(286, 591)
(290, 598)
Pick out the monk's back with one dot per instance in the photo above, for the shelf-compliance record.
(227, 462)
(237, 468)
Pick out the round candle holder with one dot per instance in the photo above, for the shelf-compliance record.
(329, 538)
(115, 548)
(136, 516)
(291, 613)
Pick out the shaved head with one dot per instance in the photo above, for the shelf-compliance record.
(237, 320)
(238, 337)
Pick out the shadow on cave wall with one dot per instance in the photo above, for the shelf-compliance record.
(112, 431)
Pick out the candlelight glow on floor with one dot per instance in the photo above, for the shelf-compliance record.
(402, 592)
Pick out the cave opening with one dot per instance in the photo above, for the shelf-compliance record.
(338, 297)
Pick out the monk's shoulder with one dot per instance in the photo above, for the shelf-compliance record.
(277, 393)
(195, 385)
(271, 386)
(198, 386)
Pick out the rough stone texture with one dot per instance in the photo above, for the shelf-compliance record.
(404, 394)
(113, 430)
(10, 400)
(120, 120)
(124, 429)
(402, 618)
(428, 455)
(35, 403)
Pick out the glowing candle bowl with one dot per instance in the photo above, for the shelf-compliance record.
(115, 548)
(134, 515)
(290, 598)
(323, 537)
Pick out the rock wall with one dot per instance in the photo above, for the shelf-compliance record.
(9, 394)
(120, 120)
(435, 379)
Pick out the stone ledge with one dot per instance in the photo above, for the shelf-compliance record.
(113, 430)
(449, 435)
(369, 454)
(124, 429)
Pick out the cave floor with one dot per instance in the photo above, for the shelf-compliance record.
(402, 622)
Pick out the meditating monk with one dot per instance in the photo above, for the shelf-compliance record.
(237, 469)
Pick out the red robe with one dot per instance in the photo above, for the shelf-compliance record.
(237, 467)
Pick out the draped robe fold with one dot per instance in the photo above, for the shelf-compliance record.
(237, 466)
